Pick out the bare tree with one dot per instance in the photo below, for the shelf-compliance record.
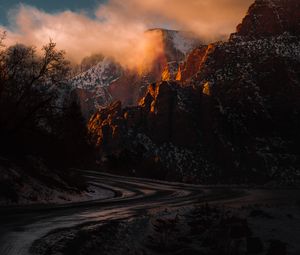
(28, 83)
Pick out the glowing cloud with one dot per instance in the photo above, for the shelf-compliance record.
(119, 28)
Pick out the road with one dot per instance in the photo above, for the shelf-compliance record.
(21, 226)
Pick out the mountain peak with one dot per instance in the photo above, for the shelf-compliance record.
(271, 18)
(177, 44)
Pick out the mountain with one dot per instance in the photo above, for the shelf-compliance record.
(92, 86)
(232, 114)
(177, 44)
(108, 81)
(271, 18)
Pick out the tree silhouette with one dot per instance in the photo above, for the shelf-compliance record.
(27, 84)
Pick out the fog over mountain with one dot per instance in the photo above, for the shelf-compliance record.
(118, 27)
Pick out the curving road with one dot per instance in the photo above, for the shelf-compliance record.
(20, 227)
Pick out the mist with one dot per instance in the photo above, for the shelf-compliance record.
(118, 28)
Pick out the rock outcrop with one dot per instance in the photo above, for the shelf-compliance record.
(234, 115)
(164, 129)
(271, 18)
(107, 81)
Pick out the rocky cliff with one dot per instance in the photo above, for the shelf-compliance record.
(271, 18)
(232, 115)
(107, 81)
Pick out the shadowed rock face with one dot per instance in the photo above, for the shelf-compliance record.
(107, 81)
(270, 18)
(254, 80)
(165, 124)
(165, 114)
(170, 111)
(234, 115)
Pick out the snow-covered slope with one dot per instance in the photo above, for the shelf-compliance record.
(183, 41)
(235, 117)
(108, 81)
(102, 74)
(177, 44)
(91, 87)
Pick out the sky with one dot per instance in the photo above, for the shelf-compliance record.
(116, 28)
(49, 6)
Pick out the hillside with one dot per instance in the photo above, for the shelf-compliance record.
(233, 116)
(108, 81)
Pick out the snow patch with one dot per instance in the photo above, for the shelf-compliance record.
(184, 42)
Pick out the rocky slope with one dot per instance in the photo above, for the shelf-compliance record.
(271, 18)
(91, 86)
(163, 132)
(30, 181)
(233, 112)
(108, 81)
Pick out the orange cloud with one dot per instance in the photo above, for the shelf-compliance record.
(119, 28)
(210, 19)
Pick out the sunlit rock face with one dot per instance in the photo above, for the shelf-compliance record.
(163, 114)
(234, 112)
(108, 81)
(105, 127)
(193, 63)
(162, 132)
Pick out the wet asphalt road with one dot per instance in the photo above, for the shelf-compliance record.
(21, 226)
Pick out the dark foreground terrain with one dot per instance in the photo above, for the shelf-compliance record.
(152, 217)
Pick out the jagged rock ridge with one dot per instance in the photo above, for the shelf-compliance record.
(108, 81)
(271, 18)
(233, 114)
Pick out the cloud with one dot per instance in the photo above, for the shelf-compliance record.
(119, 28)
(210, 19)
